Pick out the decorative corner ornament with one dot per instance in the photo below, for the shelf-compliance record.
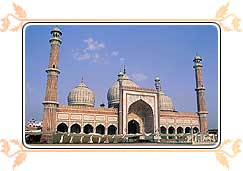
(18, 155)
(19, 17)
(223, 156)
(228, 22)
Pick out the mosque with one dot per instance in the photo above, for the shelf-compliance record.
(131, 108)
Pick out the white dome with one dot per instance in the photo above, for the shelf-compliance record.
(165, 102)
(113, 92)
(81, 95)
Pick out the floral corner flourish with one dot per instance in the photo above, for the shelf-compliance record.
(20, 16)
(19, 154)
(222, 17)
(223, 156)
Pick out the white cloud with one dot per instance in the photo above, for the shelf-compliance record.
(96, 58)
(122, 60)
(93, 45)
(115, 53)
(82, 57)
(92, 50)
(139, 77)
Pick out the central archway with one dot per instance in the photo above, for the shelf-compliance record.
(133, 127)
(141, 112)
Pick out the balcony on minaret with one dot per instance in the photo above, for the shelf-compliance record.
(197, 61)
(56, 36)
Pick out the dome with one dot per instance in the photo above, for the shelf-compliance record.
(197, 57)
(165, 102)
(157, 79)
(56, 29)
(81, 95)
(113, 92)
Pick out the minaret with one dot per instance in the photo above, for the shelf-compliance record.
(200, 90)
(50, 103)
(120, 116)
(158, 88)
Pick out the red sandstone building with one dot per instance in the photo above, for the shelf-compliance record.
(131, 109)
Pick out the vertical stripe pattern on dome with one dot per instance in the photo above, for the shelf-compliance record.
(113, 92)
(81, 95)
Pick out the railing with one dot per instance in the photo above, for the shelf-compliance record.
(94, 138)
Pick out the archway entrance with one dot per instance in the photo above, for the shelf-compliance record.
(88, 129)
(62, 127)
(188, 130)
(133, 127)
(142, 113)
(163, 130)
(195, 130)
(171, 130)
(75, 128)
(100, 129)
(111, 130)
(179, 130)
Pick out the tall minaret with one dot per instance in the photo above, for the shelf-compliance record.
(121, 128)
(158, 88)
(200, 90)
(50, 103)
(119, 107)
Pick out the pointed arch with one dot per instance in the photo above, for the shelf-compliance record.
(62, 127)
(187, 130)
(163, 130)
(171, 130)
(145, 112)
(179, 130)
(112, 130)
(133, 127)
(195, 130)
(100, 129)
(88, 129)
(76, 128)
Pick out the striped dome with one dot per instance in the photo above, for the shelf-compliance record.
(165, 102)
(81, 95)
(113, 92)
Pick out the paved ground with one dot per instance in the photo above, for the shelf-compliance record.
(149, 145)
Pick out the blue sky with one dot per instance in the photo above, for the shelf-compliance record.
(98, 52)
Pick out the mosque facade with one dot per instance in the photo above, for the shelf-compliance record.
(131, 108)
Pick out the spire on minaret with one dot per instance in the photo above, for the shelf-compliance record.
(197, 59)
(124, 70)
